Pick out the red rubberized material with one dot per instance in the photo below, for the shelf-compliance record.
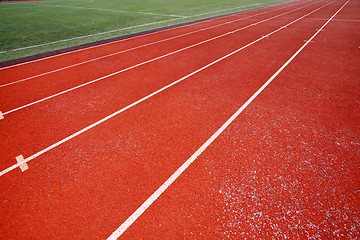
(288, 166)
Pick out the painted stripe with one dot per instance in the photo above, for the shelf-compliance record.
(148, 96)
(1, 8)
(91, 35)
(337, 20)
(145, 45)
(118, 232)
(149, 61)
(111, 10)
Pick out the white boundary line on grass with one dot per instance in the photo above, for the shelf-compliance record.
(141, 46)
(38, 5)
(228, 9)
(118, 232)
(110, 10)
(91, 35)
(18, 7)
(102, 33)
(145, 98)
(152, 60)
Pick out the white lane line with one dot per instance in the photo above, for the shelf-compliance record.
(118, 232)
(149, 96)
(110, 10)
(337, 20)
(149, 61)
(90, 35)
(145, 45)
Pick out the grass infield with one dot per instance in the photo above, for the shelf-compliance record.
(56, 24)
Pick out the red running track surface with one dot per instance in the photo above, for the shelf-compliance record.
(287, 166)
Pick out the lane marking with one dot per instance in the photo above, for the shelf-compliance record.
(96, 34)
(148, 61)
(1, 115)
(138, 47)
(23, 166)
(118, 232)
(149, 96)
(337, 20)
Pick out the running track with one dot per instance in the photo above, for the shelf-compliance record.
(178, 164)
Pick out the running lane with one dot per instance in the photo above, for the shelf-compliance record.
(86, 188)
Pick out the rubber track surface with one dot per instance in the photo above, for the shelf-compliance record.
(287, 167)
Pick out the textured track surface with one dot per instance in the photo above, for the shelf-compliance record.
(288, 166)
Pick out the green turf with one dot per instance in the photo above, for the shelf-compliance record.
(24, 24)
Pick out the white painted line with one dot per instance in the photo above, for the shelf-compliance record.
(16, 3)
(110, 10)
(23, 166)
(149, 61)
(337, 20)
(91, 35)
(118, 232)
(1, 115)
(145, 45)
(148, 96)
(1, 8)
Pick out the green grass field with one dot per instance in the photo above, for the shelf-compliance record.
(27, 24)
